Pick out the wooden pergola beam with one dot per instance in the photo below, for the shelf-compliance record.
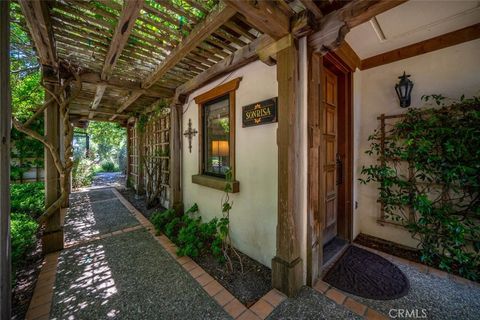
(236, 60)
(38, 23)
(333, 27)
(131, 10)
(360, 11)
(116, 83)
(131, 99)
(200, 32)
(267, 16)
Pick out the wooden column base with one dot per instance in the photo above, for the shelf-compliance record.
(287, 276)
(52, 241)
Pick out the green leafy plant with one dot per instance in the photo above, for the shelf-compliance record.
(108, 166)
(429, 181)
(28, 198)
(82, 172)
(160, 219)
(23, 229)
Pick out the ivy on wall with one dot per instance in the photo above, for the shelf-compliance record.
(438, 201)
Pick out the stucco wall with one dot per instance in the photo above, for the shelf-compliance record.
(451, 72)
(253, 218)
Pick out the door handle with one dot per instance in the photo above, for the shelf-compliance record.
(339, 165)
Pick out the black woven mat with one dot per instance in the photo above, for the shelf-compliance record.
(367, 275)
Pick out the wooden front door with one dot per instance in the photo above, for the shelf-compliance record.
(328, 152)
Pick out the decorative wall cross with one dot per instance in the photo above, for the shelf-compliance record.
(190, 133)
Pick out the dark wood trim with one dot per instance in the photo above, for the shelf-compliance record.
(218, 91)
(224, 89)
(444, 41)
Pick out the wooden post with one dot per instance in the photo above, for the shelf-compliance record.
(176, 196)
(53, 235)
(287, 270)
(5, 125)
(129, 153)
(140, 136)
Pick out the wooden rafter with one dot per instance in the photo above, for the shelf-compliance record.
(204, 29)
(236, 60)
(38, 21)
(267, 16)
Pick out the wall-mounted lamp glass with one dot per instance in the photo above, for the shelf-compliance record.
(404, 90)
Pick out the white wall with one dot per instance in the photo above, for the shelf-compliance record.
(253, 218)
(451, 72)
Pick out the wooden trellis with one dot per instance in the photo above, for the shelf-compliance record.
(386, 122)
(148, 147)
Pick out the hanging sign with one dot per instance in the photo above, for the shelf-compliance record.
(260, 113)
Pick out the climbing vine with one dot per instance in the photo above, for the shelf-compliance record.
(439, 200)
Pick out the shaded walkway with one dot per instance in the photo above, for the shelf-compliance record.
(125, 274)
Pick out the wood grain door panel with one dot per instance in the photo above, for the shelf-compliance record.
(329, 108)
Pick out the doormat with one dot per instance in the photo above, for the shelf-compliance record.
(365, 274)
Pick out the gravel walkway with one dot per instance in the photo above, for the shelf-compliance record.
(440, 298)
(94, 213)
(127, 276)
(112, 179)
(309, 304)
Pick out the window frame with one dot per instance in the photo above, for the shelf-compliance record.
(229, 88)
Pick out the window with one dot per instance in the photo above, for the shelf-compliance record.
(217, 135)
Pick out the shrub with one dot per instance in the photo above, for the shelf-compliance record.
(28, 198)
(82, 172)
(23, 229)
(160, 219)
(189, 233)
(108, 166)
(440, 203)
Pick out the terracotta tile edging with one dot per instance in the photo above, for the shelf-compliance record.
(260, 310)
(348, 302)
(41, 302)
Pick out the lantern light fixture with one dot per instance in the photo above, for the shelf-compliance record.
(404, 90)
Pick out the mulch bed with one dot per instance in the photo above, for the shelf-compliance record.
(248, 287)
(25, 280)
(254, 283)
(138, 201)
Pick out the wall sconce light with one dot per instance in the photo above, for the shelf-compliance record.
(404, 90)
